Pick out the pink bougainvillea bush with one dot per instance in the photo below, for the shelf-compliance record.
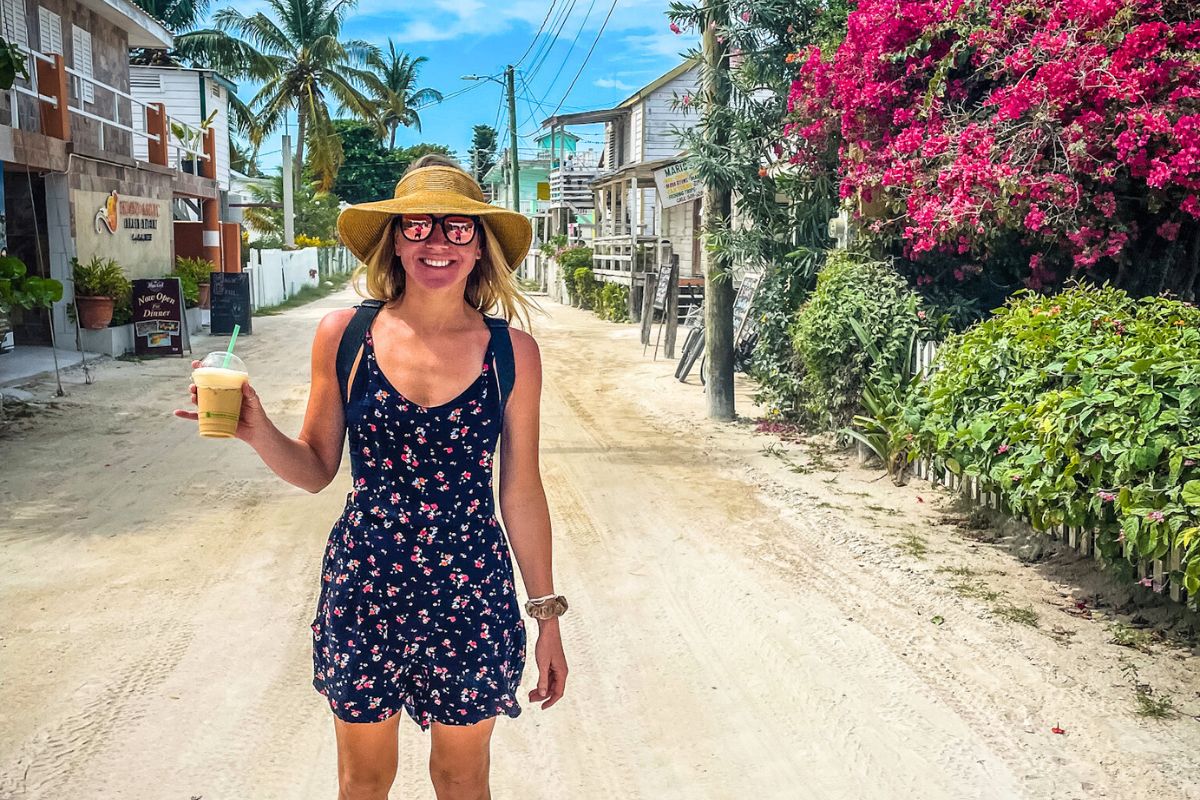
(1070, 127)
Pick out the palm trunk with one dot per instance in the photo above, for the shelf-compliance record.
(392, 141)
(301, 126)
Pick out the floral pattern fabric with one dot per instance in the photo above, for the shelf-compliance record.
(418, 608)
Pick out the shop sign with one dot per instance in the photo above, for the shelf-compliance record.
(137, 217)
(158, 317)
(677, 184)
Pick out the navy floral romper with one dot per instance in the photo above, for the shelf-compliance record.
(418, 609)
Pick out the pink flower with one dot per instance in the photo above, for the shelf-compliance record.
(675, 29)
(1106, 497)
(745, 16)
(1002, 449)
(1168, 231)
(1147, 582)
(1155, 516)
(920, 315)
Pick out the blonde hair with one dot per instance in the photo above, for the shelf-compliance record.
(491, 288)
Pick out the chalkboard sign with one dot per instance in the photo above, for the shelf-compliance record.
(742, 305)
(158, 321)
(663, 287)
(230, 293)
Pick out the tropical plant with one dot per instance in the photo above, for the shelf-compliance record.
(13, 64)
(1081, 409)
(881, 427)
(851, 289)
(1061, 131)
(20, 290)
(369, 171)
(315, 212)
(397, 97)
(99, 277)
(191, 273)
(483, 150)
(612, 302)
(295, 52)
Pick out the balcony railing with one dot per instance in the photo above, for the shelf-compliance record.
(178, 150)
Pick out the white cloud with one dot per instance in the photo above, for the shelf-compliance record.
(613, 83)
(659, 45)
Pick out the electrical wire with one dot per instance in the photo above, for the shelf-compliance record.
(558, 72)
(541, 28)
(550, 41)
(588, 57)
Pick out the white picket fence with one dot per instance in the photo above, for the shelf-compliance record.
(1080, 539)
(276, 275)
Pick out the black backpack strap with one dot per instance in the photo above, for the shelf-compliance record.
(502, 358)
(352, 342)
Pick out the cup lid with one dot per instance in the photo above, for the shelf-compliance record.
(218, 360)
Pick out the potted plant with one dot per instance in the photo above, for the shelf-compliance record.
(21, 291)
(192, 139)
(196, 275)
(98, 285)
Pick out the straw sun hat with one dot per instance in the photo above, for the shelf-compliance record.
(434, 190)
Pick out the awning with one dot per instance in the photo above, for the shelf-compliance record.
(584, 117)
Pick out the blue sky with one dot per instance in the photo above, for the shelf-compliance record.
(462, 37)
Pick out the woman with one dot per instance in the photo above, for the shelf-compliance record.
(418, 610)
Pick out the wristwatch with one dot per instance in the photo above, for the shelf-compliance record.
(546, 607)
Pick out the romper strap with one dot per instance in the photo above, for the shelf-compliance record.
(502, 358)
(351, 344)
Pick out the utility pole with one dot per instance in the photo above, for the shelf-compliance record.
(718, 281)
(512, 128)
(289, 224)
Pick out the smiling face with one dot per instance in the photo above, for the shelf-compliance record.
(436, 263)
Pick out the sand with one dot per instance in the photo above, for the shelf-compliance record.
(749, 618)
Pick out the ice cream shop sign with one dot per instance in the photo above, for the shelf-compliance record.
(137, 216)
(134, 231)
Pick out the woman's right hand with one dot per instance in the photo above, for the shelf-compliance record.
(252, 420)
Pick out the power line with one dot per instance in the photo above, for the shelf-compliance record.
(571, 49)
(588, 57)
(541, 28)
(550, 41)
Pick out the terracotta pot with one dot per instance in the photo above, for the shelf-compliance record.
(94, 312)
(202, 302)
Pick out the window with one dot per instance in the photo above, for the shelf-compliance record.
(81, 49)
(12, 22)
(49, 31)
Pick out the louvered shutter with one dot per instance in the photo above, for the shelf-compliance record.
(14, 26)
(81, 48)
(50, 31)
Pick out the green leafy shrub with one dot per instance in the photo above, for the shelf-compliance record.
(613, 302)
(834, 363)
(586, 287)
(191, 273)
(20, 290)
(570, 261)
(552, 245)
(1080, 409)
(775, 367)
(103, 277)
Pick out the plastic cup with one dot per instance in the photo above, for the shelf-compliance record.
(219, 394)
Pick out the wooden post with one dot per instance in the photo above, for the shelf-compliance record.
(52, 82)
(672, 311)
(156, 125)
(208, 166)
(648, 309)
(211, 241)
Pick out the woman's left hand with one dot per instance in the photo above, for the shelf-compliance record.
(551, 663)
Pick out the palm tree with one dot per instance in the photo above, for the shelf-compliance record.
(295, 52)
(397, 99)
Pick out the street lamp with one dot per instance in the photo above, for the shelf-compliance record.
(512, 128)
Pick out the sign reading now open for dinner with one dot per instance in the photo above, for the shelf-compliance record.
(676, 184)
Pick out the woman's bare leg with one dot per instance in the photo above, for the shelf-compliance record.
(460, 760)
(367, 756)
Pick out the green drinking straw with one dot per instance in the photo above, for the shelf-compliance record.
(232, 339)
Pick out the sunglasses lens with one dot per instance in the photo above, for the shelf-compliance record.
(416, 228)
(460, 230)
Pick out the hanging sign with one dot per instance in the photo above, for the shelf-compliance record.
(229, 303)
(677, 184)
(158, 318)
(663, 287)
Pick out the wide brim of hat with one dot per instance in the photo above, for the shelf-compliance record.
(360, 226)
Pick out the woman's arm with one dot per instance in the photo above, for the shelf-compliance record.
(526, 515)
(312, 460)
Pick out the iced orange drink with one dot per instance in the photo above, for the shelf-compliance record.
(219, 382)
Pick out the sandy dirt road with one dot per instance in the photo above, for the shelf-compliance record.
(747, 620)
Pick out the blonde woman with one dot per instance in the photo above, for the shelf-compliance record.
(418, 610)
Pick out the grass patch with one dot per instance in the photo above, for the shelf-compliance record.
(873, 507)
(1013, 613)
(975, 591)
(962, 572)
(1135, 638)
(329, 285)
(914, 546)
(1154, 706)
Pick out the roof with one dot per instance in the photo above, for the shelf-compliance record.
(622, 108)
(142, 28)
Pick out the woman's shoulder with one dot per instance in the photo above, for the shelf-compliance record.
(332, 326)
(525, 347)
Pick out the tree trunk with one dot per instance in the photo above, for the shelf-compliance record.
(301, 126)
(718, 282)
(392, 141)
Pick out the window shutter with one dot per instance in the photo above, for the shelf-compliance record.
(50, 31)
(81, 47)
(14, 27)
